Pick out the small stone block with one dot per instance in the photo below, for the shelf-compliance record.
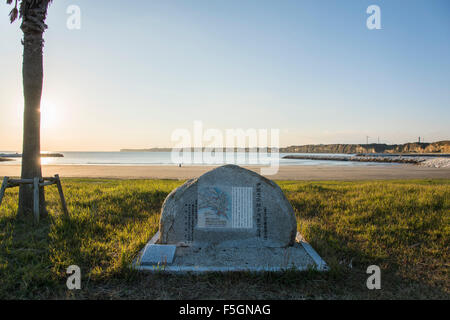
(157, 253)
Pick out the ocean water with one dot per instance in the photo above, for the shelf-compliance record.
(165, 158)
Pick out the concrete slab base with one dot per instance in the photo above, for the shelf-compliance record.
(299, 257)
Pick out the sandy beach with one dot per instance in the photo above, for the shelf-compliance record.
(285, 172)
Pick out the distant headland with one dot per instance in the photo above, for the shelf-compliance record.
(411, 147)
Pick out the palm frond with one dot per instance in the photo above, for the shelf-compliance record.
(25, 5)
(13, 14)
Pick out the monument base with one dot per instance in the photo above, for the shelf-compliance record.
(301, 256)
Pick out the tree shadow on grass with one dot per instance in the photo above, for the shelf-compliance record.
(125, 203)
(103, 236)
(100, 235)
(25, 258)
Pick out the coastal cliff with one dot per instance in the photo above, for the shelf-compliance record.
(412, 147)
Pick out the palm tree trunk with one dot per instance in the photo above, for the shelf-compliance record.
(33, 27)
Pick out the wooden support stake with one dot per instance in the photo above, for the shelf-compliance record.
(36, 200)
(21, 181)
(2, 190)
(36, 184)
(61, 195)
(47, 183)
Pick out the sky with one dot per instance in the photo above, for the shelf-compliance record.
(135, 72)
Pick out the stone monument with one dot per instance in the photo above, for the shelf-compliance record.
(229, 219)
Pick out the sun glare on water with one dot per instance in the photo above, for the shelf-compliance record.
(45, 160)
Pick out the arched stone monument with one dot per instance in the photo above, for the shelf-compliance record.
(230, 218)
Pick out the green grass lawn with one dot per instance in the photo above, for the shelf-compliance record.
(402, 226)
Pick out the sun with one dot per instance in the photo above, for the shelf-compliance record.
(50, 114)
